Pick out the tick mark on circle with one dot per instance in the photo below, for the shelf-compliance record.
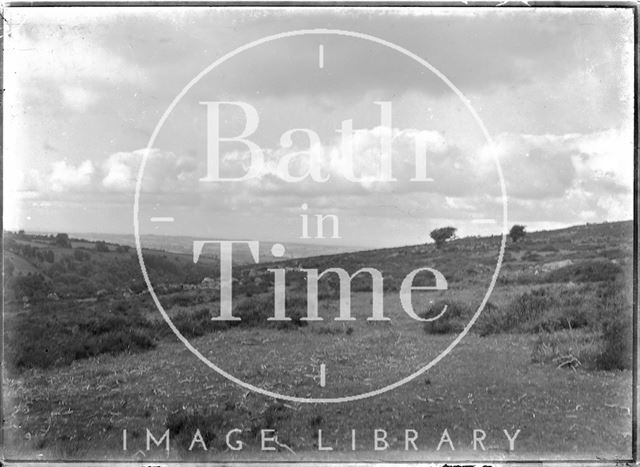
(322, 375)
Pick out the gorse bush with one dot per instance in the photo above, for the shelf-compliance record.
(617, 334)
(567, 349)
(452, 321)
(604, 340)
(53, 336)
(585, 271)
(182, 426)
(255, 311)
(542, 310)
(616, 315)
(522, 315)
(195, 324)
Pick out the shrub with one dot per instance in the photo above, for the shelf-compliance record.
(523, 314)
(441, 235)
(254, 311)
(195, 324)
(180, 299)
(529, 307)
(114, 342)
(452, 321)
(567, 349)
(531, 256)
(493, 320)
(81, 255)
(608, 317)
(62, 240)
(54, 334)
(183, 424)
(617, 326)
(517, 232)
(102, 246)
(586, 271)
(32, 286)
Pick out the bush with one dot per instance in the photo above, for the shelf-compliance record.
(180, 299)
(567, 349)
(31, 286)
(531, 256)
(182, 426)
(62, 240)
(81, 255)
(453, 321)
(54, 334)
(586, 271)
(617, 333)
(254, 311)
(114, 342)
(607, 314)
(529, 307)
(523, 314)
(517, 232)
(101, 246)
(441, 235)
(195, 324)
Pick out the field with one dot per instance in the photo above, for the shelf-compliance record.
(550, 356)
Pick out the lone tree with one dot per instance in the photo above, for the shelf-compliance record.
(62, 239)
(102, 246)
(441, 235)
(517, 232)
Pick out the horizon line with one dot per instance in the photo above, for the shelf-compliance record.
(311, 242)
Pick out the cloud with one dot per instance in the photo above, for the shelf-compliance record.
(48, 60)
(567, 178)
(67, 177)
(62, 55)
(78, 98)
(549, 166)
(584, 177)
(477, 50)
(164, 172)
(325, 168)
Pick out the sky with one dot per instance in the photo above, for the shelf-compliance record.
(85, 88)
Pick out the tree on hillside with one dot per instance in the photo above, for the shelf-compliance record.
(517, 232)
(9, 267)
(81, 255)
(62, 239)
(49, 256)
(441, 235)
(102, 246)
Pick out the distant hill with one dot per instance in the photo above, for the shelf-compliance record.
(471, 260)
(37, 265)
(184, 245)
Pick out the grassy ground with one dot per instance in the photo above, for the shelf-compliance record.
(537, 368)
(487, 383)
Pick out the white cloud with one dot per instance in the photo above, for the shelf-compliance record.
(67, 177)
(63, 56)
(47, 61)
(78, 98)
(550, 178)
(164, 172)
(361, 174)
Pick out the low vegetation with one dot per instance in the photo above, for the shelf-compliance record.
(53, 335)
(86, 299)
